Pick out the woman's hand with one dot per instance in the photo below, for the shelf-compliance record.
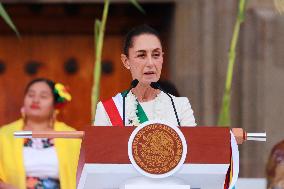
(6, 186)
(239, 135)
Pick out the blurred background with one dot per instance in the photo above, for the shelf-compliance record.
(57, 42)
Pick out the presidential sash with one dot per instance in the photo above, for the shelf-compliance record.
(114, 109)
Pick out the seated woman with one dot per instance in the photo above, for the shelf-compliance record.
(143, 57)
(39, 163)
(275, 167)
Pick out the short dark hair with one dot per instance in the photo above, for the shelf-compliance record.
(276, 158)
(49, 82)
(136, 31)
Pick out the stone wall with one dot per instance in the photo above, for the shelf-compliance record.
(201, 34)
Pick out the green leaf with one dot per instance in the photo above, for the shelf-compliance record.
(225, 117)
(99, 37)
(241, 13)
(7, 19)
(138, 6)
(97, 30)
(225, 113)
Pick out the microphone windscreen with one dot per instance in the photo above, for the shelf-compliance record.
(154, 85)
(134, 83)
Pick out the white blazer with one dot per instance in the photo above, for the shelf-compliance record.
(158, 109)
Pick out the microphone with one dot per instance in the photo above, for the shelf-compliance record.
(133, 84)
(156, 85)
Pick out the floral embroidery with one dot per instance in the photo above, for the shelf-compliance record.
(131, 103)
(35, 182)
(131, 109)
(45, 183)
(38, 143)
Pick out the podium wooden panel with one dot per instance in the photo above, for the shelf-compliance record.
(109, 145)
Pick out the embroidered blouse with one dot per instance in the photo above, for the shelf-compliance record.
(41, 164)
(159, 108)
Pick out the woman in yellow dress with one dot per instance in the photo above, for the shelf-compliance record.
(39, 163)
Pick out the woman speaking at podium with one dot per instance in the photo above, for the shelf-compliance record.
(145, 100)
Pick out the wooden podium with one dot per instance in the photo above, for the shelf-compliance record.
(104, 162)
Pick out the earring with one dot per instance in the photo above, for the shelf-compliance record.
(53, 118)
(55, 113)
(23, 113)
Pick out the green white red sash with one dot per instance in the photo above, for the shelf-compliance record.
(114, 109)
(233, 171)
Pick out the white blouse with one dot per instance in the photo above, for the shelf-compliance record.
(158, 109)
(41, 163)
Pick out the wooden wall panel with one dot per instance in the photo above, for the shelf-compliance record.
(121, 78)
(52, 51)
(53, 33)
